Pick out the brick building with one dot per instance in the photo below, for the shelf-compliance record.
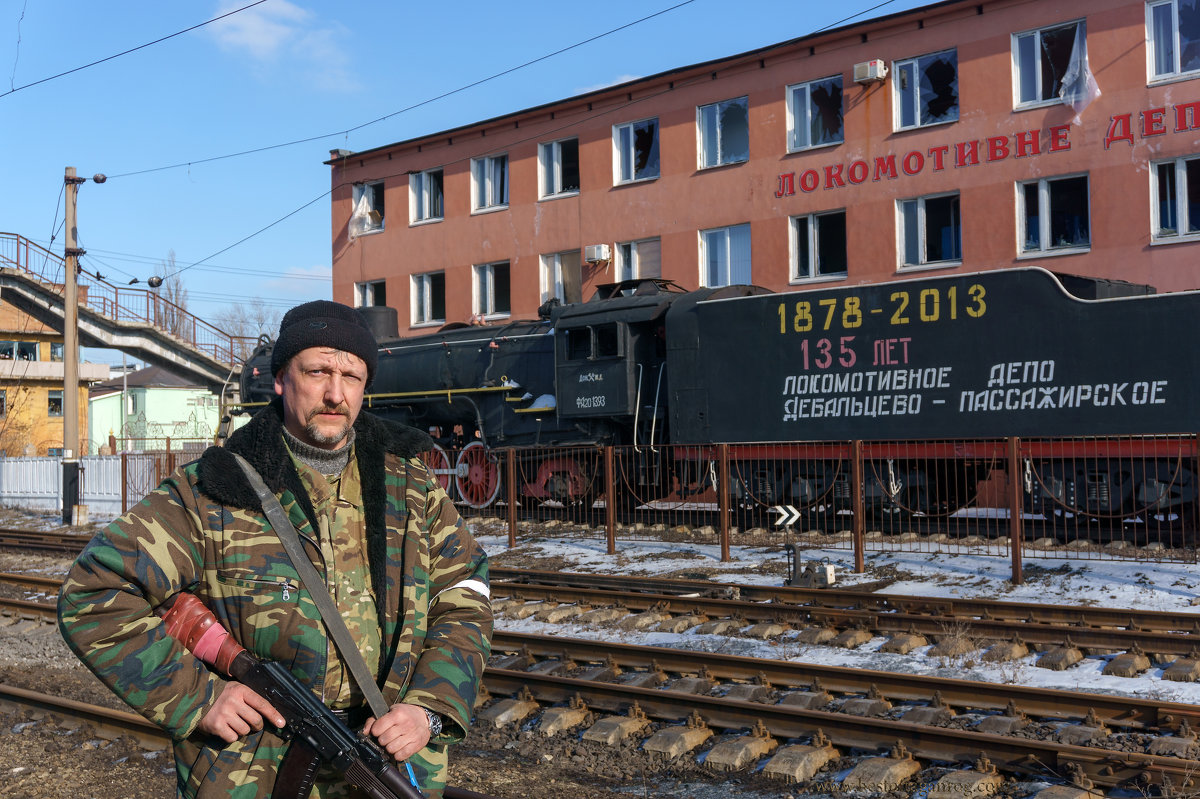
(956, 137)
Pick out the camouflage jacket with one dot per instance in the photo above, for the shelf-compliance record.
(203, 531)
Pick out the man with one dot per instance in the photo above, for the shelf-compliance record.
(404, 572)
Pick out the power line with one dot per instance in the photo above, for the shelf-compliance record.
(130, 50)
(406, 109)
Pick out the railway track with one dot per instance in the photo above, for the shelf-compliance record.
(41, 541)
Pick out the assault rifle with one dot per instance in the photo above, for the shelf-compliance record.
(355, 756)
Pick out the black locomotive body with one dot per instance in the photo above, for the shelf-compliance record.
(669, 373)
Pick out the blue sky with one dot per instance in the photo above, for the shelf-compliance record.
(290, 70)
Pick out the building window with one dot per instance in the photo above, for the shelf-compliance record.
(561, 277)
(1043, 58)
(724, 132)
(3, 401)
(371, 293)
(429, 298)
(725, 256)
(368, 209)
(639, 259)
(1174, 37)
(491, 289)
(425, 195)
(819, 245)
(926, 90)
(558, 162)
(56, 350)
(1177, 194)
(636, 151)
(930, 230)
(54, 404)
(1055, 214)
(814, 113)
(489, 182)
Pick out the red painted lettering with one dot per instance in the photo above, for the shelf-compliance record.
(1185, 116)
(857, 172)
(914, 162)
(885, 166)
(1028, 143)
(997, 148)
(833, 176)
(1152, 122)
(1058, 138)
(809, 180)
(966, 153)
(1120, 128)
(787, 185)
(938, 153)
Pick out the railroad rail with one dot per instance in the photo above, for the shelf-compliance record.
(43, 541)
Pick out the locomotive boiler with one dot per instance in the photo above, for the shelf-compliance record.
(929, 364)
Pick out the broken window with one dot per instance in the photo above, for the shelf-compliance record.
(1178, 191)
(425, 194)
(927, 90)
(491, 289)
(930, 230)
(815, 113)
(3, 401)
(559, 162)
(1174, 37)
(1055, 214)
(54, 402)
(489, 178)
(429, 298)
(1043, 58)
(367, 216)
(725, 132)
(56, 351)
(636, 144)
(725, 256)
(820, 245)
(637, 259)
(27, 351)
(370, 293)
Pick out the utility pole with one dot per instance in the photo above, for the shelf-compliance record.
(70, 462)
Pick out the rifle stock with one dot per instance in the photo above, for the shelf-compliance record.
(355, 756)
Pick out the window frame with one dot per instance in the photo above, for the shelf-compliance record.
(700, 132)
(1036, 33)
(898, 97)
(421, 288)
(550, 169)
(793, 114)
(619, 153)
(419, 196)
(478, 306)
(812, 231)
(50, 397)
(484, 166)
(923, 232)
(1181, 191)
(704, 245)
(632, 263)
(1176, 72)
(366, 291)
(1045, 215)
(550, 275)
(375, 205)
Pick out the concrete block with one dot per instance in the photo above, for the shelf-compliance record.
(604, 672)
(953, 646)
(1002, 725)
(1183, 670)
(644, 679)
(1067, 792)
(509, 711)
(675, 741)
(612, 730)
(1005, 651)
(880, 774)
(751, 693)
(552, 668)
(929, 715)
(1128, 664)
(740, 752)
(766, 630)
(560, 613)
(527, 609)
(817, 635)
(1060, 658)
(1174, 746)
(517, 661)
(640, 621)
(851, 639)
(700, 684)
(866, 706)
(603, 615)
(503, 605)
(678, 624)
(560, 719)
(903, 643)
(720, 626)
(800, 763)
(807, 700)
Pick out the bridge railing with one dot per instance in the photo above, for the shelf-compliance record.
(123, 304)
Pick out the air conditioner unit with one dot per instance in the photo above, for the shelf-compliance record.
(597, 253)
(868, 71)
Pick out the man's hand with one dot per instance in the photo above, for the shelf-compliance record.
(237, 711)
(403, 731)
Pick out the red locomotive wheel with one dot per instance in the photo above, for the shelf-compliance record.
(477, 476)
(439, 463)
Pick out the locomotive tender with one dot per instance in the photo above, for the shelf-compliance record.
(668, 373)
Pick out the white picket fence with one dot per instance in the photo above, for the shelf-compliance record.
(36, 483)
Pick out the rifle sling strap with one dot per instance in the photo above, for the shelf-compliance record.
(316, 589)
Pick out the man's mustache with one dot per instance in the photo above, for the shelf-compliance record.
(341, 410)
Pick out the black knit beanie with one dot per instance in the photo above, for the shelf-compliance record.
(322, 323)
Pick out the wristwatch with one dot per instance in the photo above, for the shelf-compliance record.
(435, 723)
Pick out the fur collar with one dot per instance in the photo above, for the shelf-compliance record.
(261, 443)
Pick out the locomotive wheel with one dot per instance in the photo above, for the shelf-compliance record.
(477, 476)
(571, 485)
(439, 463)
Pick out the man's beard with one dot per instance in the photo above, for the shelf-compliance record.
(328, 439)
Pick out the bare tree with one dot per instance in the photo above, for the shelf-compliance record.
(170, 306)
(247, 322)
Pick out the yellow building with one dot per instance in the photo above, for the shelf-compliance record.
(31, 387)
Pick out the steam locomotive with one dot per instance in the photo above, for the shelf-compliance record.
(936, 362)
